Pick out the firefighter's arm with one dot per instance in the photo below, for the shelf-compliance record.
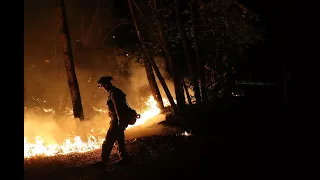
(117, 111)
(115, 105)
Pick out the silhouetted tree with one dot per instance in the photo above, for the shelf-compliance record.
(68, 60)
(200, 66)
(173, 69)
(150, 59)
(186, 52)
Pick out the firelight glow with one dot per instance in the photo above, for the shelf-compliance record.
(75, 145)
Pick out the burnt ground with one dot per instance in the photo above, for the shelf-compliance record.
(226, 139)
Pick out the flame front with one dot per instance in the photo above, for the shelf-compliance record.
(75, 144)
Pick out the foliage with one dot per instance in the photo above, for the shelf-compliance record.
(223, 28)
(220, 26)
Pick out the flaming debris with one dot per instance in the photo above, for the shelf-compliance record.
(71, 145)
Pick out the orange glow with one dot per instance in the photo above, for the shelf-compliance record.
(72, 144)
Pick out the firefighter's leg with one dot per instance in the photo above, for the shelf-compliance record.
(122, 146)
(107, 145)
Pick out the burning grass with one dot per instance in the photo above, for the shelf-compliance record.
(45, 136)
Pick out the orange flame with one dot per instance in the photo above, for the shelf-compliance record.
(75, 144)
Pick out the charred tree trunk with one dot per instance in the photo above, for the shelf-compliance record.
(150, 59)
(186, 52)
(68, 60)
(192, 5)
(153, 84)
(186, 90)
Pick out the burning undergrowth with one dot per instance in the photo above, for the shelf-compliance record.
(52, 136)
(50, 128)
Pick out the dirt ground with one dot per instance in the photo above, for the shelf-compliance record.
(157, 157)
(223, 146)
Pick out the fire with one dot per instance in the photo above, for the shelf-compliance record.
(75, 144)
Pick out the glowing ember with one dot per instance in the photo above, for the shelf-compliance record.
(186, 134)
(75, 144)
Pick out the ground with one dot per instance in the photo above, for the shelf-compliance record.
(222, 147)
(155, 157)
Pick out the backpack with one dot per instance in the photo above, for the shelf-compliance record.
(128, 115)
(131, 115)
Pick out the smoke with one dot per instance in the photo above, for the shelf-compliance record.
(47, 97)
(46, 89)
(56, 131)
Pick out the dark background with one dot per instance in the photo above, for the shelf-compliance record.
(271, 59)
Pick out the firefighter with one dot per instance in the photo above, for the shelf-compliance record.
(116, 104)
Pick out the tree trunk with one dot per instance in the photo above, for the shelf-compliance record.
(68, 60)
(192, 5)
(151, 61)
(172, 67)
(186, 90)
(164, 85)
(186, 52)
(153, 84)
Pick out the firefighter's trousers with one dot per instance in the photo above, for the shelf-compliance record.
(114, 134)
